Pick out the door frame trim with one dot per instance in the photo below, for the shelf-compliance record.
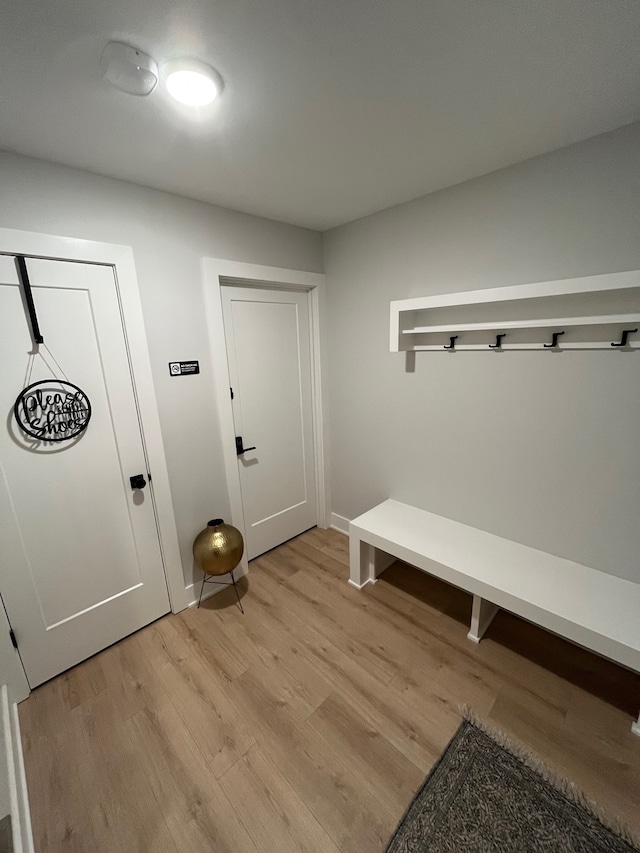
(216, 273)
(121, 259)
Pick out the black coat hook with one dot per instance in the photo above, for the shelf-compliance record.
(452, 342)
(554, 340)
(498, 343)
(625, 335)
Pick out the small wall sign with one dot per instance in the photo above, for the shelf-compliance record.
(52, 410)
(184, 368)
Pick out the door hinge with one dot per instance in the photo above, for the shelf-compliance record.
(14, 642)
(231, 390)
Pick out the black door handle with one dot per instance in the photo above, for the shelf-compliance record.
(137, 481)
(240, 449)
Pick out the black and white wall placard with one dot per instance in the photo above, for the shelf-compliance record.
(184, 368)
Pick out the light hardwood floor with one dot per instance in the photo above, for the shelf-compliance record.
(308, 723)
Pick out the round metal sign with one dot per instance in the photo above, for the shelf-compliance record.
(52, 410)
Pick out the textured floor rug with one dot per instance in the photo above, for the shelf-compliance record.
(485, 795)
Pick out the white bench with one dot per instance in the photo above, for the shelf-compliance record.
(589, 607)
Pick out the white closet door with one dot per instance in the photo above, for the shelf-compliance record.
(82, 565)
(269, 350)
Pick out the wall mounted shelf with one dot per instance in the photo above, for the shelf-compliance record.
(589, 313)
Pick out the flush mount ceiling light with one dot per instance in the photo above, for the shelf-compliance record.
(192, 82)
(129, 69)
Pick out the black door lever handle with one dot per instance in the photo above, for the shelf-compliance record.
(240, 449)
(137, 481)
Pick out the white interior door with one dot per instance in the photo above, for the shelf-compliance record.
(269, 350)
(82, 565)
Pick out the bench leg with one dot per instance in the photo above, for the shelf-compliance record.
(366, 563)
(481, 617)
(635, 728)
(362, 568)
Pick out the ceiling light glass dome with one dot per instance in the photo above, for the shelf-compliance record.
(192, 82)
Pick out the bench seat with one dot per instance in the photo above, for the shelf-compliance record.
(591, 608)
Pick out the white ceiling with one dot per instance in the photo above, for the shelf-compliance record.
(332, 109)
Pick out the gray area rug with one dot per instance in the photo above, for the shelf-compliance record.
(481, 798)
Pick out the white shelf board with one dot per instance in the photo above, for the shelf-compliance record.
(563, 287)
(603, 320)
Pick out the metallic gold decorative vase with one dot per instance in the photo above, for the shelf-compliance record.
(217, 550)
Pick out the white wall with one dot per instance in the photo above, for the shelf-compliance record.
(539, 448)
(170, 236)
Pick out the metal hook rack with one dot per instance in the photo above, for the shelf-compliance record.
(570, 314)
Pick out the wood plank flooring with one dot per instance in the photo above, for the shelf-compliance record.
(307, 723)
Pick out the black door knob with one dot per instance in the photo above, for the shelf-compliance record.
(137, 481)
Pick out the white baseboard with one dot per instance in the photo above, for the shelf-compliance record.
(340, 523)
(13, 785)
(362, 586)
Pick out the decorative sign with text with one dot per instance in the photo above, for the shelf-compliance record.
(184, 368)
(52, 410)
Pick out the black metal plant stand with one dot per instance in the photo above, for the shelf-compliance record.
(208, 579)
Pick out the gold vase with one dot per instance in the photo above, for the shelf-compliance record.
(218, 548)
